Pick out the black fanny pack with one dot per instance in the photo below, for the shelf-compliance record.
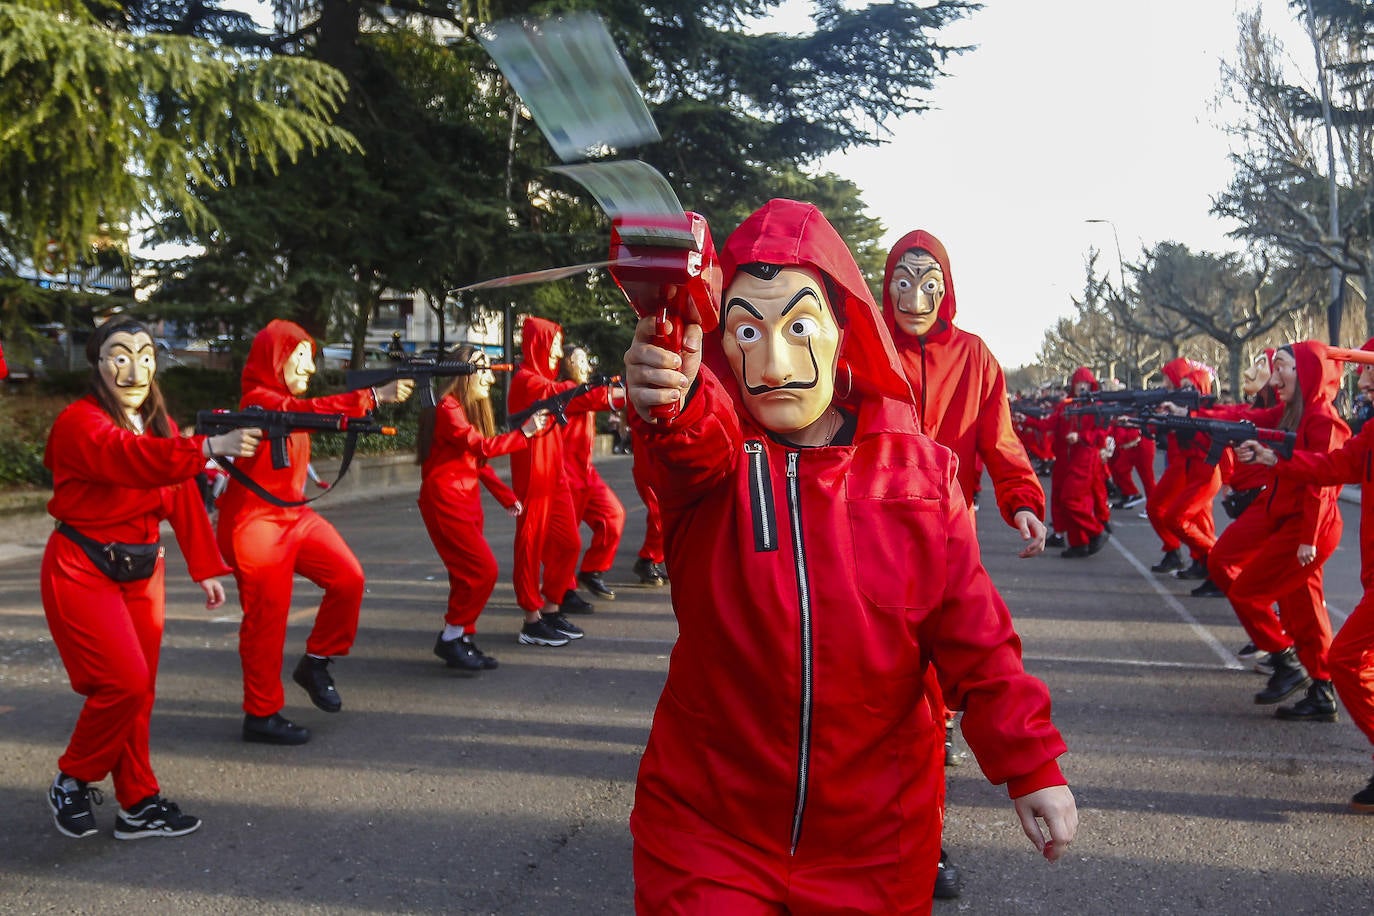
(121, 562)
(1237, 502)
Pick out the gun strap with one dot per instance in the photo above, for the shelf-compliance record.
(350, 443)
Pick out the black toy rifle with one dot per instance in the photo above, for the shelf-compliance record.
(422, 369)
(558, 404)
(1134, 400)
(1223, 433)
(277, 427)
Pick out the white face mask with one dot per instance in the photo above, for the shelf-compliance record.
(127, 365)
(917, 288)
(300, 365)
(782, 341)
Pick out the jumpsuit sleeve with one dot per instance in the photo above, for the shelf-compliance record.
(353, 403)
(1323, 437)
(194, 535)
(102, 452)
(1013, 479)
(977, 658)
(696, 450)
(1348, 464)
(496, 487)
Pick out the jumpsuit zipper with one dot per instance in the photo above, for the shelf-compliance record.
(921, 342)
(804, 620)
(761, 498)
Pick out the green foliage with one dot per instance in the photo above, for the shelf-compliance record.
(98, 126)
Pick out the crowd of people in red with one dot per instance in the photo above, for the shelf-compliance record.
(821, 462)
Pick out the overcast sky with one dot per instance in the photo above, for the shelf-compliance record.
(1067, 110)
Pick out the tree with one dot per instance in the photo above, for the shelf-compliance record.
(99, 126)
(1279, 192)
(1219, 296)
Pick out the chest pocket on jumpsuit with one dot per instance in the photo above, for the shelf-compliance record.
(897, 528)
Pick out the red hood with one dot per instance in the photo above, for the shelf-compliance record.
(266, 363)
(1319, 378)
(1177, 370)
(536, 343)
(793, 234)
(1083, 374)
(944, 319)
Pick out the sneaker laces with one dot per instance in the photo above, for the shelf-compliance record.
(92, 793)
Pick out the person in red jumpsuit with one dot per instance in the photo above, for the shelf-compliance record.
(1275, 551)
(594, 502)
(455, 443)
(546, 535)
(1181, 510)
(821, 554)
(961, 400)
(960, 389)
(1351, 655)
(650, 563)
(1134, 453)
(119, 467)
(1078, 481)
(268, 545)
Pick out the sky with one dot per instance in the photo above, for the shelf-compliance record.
(1067, 110)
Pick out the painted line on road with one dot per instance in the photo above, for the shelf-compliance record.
(1227, 659)
(1131, 662)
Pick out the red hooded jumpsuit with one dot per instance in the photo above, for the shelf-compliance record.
(1255, 560)
(452, 508)
(1351, 655)
(1181, 509)
(113, 485)
(1134, 452)
(1078, 481)
(546, 534)
(793, 761)
(268, 545)
(961, 394)
(593, 500)
(652, 548)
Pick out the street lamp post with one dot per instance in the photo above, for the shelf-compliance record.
(1120, 261)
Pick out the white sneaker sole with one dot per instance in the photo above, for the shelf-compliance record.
(145, 834)
(539, 641)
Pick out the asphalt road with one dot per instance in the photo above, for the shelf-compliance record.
(510, 793)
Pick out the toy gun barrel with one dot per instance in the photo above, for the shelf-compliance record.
(1363, 357)
(422, 369)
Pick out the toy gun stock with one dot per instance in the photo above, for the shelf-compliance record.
(1224, 433)
(558, 404)
(668, 271)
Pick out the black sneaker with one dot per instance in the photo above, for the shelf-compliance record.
(573, 603)
(70, 800)
(1130, 502)
(1196, 570)
(661, 570)
(154, 816)
(1208, 589)
(459, 655)
(541, 633)
(596, 585)
(273, 729)
(487, 661)
(647, 570)
(948, 881)
(1055, 540)
(313, 674)
(1168, 563)
(565, 626)
(1363, 800)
